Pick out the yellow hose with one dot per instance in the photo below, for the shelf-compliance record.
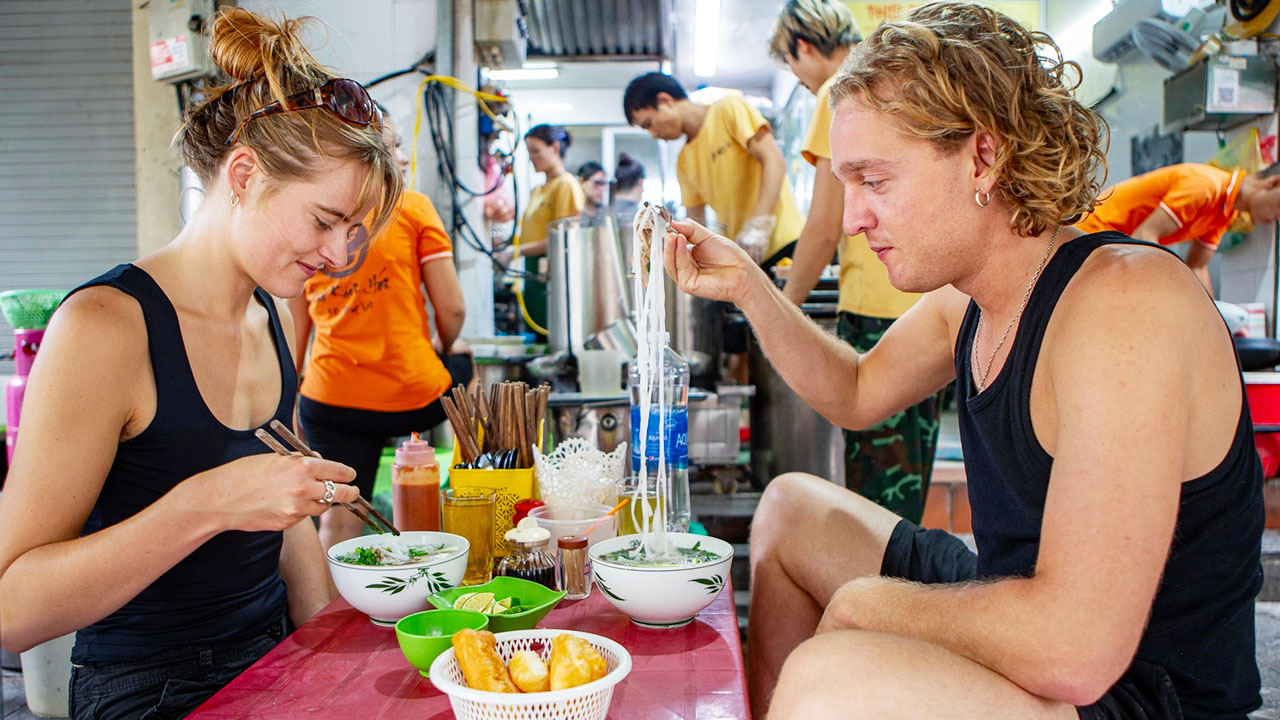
(519, 287)
(413, 168)
(456, 84)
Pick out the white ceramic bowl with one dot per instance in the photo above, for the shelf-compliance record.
(573, 520)
(387, 593)
(662, 596)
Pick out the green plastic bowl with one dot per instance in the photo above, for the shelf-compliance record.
(424, 635)
(537, 600)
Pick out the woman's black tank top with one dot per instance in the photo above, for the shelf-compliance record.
(1201, 628)
(227, 589)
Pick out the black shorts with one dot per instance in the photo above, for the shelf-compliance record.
(1144, 692)
(356, 437)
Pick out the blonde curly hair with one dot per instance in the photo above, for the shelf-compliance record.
(952, 69)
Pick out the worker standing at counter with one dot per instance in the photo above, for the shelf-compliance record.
(1185, 202)
(890, 462)
(730, 161)
(559, 197)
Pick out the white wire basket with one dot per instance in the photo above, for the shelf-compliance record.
(585, 702)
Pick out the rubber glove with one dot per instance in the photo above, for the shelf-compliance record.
(754, 235)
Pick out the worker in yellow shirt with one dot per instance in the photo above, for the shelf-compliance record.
(889, 463)
(1188, 201)
(730, 162)
(558, 198)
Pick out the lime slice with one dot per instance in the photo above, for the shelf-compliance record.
(460, 602)
(479, 602)
(501, 606)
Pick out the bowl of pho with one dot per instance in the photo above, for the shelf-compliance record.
(388, 577)
(661, 580)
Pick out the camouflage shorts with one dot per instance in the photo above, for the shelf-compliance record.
(890, 463)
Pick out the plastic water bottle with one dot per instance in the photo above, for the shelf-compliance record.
(672, 381)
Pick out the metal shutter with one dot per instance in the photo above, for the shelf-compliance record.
(67, 192)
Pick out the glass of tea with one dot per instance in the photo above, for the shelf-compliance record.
(470, 512)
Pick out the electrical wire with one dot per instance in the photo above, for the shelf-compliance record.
(440, 125)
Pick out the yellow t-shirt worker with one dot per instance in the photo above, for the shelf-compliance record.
(558, 198)
(889, 463)
(730, 163)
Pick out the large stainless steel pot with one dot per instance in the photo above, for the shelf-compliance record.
(586, 289)
(786, 434)
(695, 324)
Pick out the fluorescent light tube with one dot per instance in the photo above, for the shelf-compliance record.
(706, 37)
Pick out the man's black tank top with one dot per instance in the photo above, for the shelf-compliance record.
(227, 589)
(1201, 628)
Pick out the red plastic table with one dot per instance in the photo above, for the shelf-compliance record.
(340, 665)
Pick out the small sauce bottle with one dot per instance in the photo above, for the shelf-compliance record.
(575, 567)
(529, 558)
(415, 487)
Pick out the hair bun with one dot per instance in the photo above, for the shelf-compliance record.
(625, 160)
(244, 44)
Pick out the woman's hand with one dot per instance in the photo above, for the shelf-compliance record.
(269, 492)
(708, 265)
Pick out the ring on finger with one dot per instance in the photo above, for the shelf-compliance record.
(329, 492)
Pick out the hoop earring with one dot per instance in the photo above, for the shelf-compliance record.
(978, 197)
(235, 199)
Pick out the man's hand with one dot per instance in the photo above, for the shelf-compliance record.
(754, 236)
(708, 265)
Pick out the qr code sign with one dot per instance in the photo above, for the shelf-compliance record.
(1226, 95)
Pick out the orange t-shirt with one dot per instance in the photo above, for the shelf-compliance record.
(1201, 199)
(372, 344)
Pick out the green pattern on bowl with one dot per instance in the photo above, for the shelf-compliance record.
(536, 599)
(436, 581)
(714, 584)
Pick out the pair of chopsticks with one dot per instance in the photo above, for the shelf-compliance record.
(358, 508)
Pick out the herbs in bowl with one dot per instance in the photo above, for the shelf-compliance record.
(397, 552)
(388, 577)
(509, 603)
(661, 584)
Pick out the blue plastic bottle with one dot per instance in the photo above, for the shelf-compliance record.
(672, 382)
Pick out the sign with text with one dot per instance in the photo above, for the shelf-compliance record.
(871, 13)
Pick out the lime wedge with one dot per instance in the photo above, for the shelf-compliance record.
(460, 602)
(501, 606)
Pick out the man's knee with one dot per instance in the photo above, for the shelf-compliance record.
(785, 500)
(813, 682)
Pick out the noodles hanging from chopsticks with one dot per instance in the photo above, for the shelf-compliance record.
(652, 223)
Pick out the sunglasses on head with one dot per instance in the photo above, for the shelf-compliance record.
(346, 99)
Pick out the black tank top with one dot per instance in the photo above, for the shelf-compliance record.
(227, 589)
(1201, 628)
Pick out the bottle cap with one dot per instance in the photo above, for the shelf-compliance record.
(529, 532)
(415, 451)
(572, 542)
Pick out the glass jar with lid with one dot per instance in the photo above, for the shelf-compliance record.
(530, 558)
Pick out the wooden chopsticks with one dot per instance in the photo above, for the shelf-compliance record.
(510, 417)
(357, 508)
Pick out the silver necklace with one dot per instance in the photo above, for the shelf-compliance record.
(982, 381)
